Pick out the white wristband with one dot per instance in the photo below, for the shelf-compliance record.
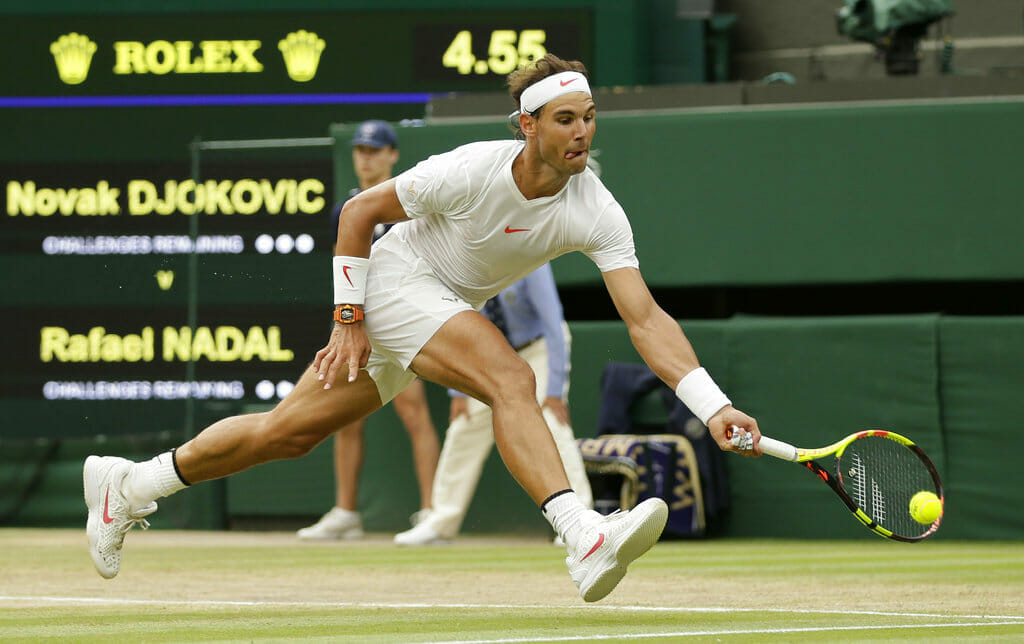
(350, 279)
(700, 393)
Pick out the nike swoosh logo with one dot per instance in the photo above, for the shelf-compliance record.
(106, 504)
(509, 229)
(344, 269)
(600, 541)
(564, 83)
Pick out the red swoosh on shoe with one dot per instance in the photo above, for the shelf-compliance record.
(106, 504)
(600, 541)
(509, 229)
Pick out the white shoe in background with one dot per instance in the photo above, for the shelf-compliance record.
(336, 524)
(421, 535)
(419, 516)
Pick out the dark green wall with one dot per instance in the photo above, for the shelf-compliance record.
(814, 195)
(808, 196)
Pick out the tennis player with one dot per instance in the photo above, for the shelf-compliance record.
(482, 216)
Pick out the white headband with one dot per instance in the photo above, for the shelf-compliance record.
(540, 93)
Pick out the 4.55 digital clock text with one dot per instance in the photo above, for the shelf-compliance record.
(506, 50)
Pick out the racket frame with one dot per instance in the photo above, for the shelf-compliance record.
(806, 457)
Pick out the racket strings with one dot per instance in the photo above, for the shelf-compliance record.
(881, 475)
(857, 488)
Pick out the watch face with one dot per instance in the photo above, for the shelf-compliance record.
(347, 315)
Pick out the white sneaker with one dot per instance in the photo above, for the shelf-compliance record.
(419, 516)
(110, 518)
(336, 524)
(421, 535)
(606, 548)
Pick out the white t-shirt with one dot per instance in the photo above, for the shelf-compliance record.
(480, 234)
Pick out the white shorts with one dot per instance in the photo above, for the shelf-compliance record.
(405, 306)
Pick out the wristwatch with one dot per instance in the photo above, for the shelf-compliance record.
(347, 314)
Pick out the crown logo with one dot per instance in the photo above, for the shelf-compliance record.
(301, 50)
(73, 52)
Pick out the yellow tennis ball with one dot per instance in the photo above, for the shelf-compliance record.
(925, 507)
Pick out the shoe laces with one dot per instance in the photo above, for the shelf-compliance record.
(130, 522)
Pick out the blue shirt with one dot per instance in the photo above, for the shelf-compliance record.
(533, 310)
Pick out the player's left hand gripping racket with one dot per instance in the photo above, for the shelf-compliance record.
(876, 474)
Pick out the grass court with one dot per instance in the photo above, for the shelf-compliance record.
(268, 586)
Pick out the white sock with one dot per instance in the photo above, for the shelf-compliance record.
(150, 480)
(568, 516)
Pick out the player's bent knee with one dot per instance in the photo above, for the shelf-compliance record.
(515, 383)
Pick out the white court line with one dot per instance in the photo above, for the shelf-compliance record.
(705, 633)
(1008, 620)
(1011, 619)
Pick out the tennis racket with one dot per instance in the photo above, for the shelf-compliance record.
(876, 474)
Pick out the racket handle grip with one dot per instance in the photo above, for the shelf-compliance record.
(778, 449)
(769, 446)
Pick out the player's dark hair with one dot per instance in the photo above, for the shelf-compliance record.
(536, 71)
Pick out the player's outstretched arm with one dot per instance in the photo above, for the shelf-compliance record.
(666, 350)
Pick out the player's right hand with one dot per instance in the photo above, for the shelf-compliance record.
(728, 417)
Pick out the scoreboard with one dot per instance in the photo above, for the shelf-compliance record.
(133, 288)
(286, 53)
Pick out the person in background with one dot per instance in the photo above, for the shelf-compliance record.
(529, 313)
(374, 155)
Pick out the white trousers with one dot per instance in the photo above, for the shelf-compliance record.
(469, 440)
